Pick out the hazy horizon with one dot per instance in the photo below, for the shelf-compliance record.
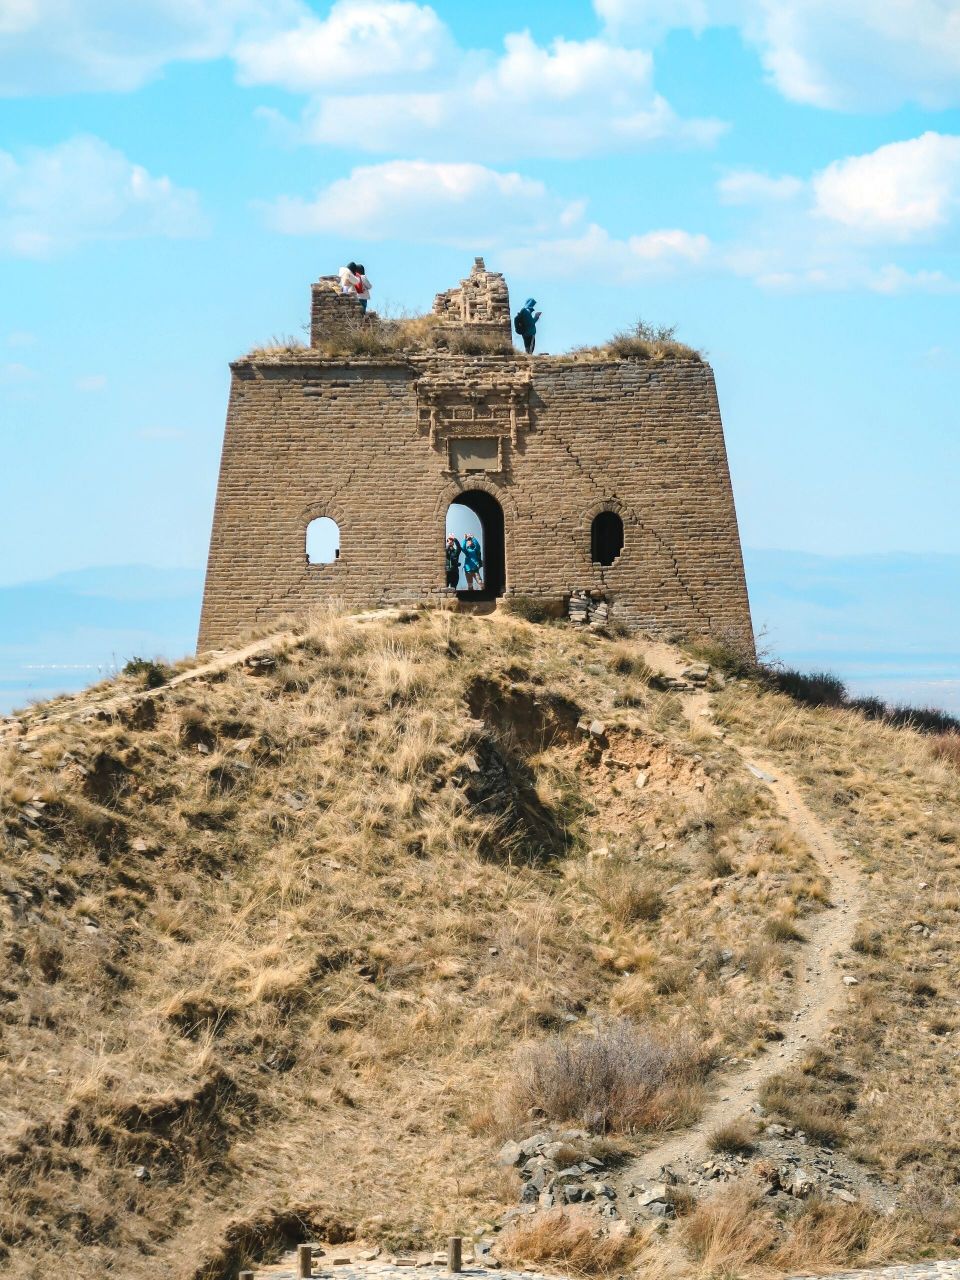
(885, 623)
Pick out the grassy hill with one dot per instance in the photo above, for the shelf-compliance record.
(283, 942)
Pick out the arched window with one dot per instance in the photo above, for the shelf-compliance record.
(606, 537)
(323, 541)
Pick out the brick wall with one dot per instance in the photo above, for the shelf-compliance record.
(330, 310)
(367, 443)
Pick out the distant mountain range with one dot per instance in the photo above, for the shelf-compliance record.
(888, 624)
(66, 632)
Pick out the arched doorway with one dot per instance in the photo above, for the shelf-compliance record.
(606, 537)
(479, 514)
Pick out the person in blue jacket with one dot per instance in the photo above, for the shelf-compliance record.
(525, 323)
(472, 563)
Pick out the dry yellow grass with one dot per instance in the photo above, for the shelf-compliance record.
(735, 1234)
(274, 937)
(568, 1241)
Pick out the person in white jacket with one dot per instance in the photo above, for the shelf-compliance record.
(349, 278)
(365, 288)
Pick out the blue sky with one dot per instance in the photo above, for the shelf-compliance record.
(782, 182)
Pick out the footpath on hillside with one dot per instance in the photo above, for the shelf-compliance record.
(821, 983)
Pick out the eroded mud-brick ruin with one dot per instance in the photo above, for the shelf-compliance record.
(587, 472)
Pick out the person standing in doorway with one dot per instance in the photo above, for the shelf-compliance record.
(453, 552)
(525, 323)
(472, 563)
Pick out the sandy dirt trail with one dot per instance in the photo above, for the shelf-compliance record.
(820, 992)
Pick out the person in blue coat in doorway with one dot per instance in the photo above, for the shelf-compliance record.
(472, 563)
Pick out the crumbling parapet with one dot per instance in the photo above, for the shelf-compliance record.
(481, 300)
(331, 311)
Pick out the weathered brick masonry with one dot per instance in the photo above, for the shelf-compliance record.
(375, 443)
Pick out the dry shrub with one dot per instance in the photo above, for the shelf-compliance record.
(650, 342)
(531, 608)
(633, 996)
(671, 978)
(565, 1238)
(763, 959)
(735, 1138)
(728, 1233)
(820, 1116)
(623, 1078)
(946, 747)
(826, 1235)
(868, 942)
(816, 689)
(932, 1208)
(279, 347)
(719, 864)
(627, 660)
(629, 899)
(734, 1232)
(376, 334)
(779, 929)
(730, 653)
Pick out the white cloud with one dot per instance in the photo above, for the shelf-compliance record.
(842, 277)
(594, 251)
(16, 15)
(359, 42)
(381, 75)
(747, 187)
(473, 207)
(61, 46)
(16, 374)
(79, 190)
(831, 231)
(571, 98)
(835, 230)
(898, 192)
(459, 204)
(91, 382)
(847, 54)
(892, 279)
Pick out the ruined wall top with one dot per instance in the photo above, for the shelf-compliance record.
(481, 299)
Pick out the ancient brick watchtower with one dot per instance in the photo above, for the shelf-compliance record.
(587, 471)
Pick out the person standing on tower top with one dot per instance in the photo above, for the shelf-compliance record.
(525, 323)
(349, 278)
(364, 288)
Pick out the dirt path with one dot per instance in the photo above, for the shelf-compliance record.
(820, 992)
